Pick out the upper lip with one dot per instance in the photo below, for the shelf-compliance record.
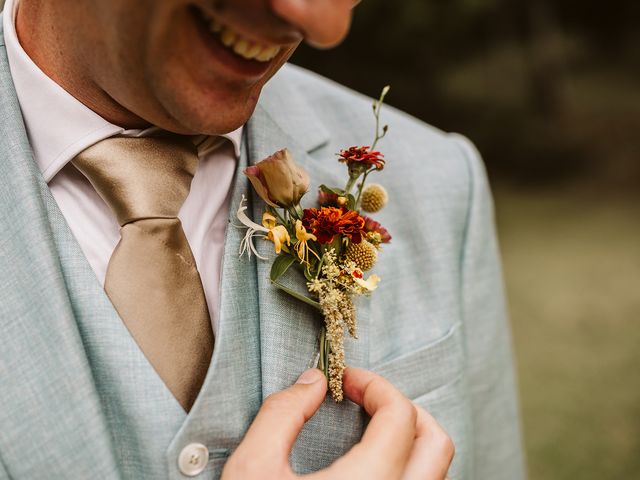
(281, 35)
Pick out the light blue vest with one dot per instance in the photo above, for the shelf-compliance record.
(149, 428)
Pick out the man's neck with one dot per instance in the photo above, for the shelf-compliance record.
(49, 43)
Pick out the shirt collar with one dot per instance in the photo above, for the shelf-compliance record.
(58, 125)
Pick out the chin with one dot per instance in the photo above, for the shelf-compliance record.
(209, 113)
(210, 124)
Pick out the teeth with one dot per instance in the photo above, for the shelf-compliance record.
(241, 45)
(228, 37)
(267, 54)
(254, 51)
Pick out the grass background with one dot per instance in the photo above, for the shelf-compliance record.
(572, 266)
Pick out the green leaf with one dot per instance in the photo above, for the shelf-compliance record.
(336, 244)
(280, 265)
(335, 191)
(294, 294)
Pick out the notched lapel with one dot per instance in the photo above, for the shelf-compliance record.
(288, 328)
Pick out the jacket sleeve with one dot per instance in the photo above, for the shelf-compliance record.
(4, 475)
(496, 437)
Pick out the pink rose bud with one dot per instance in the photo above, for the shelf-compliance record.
(278, 180)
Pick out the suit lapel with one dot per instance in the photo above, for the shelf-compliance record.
(231, 394)
(288, 328)
(50, 407)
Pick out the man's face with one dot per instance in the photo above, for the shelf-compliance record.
(198, 66)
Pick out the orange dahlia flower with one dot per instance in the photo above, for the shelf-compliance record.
(327, 222)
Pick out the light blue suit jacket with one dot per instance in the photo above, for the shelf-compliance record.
(436, 327)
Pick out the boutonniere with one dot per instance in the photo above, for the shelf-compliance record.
(334, 244)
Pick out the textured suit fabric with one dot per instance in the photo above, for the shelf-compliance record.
(436, 327)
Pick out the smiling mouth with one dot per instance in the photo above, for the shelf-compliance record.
(236, 43)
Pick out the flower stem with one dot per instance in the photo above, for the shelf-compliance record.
(295, 212)
(323, 360)
(377, 107)
(350, 183)
(320, 266)
(360, 188)
(282, 219)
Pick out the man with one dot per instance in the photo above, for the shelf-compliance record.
(118, 271)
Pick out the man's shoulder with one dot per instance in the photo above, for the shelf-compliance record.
(347, 115)
(329, 97)
(415, 150)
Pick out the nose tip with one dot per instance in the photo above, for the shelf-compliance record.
(324, 23)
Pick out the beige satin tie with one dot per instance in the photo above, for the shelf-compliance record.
(151, 278)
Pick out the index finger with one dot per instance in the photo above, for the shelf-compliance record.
(387, 442)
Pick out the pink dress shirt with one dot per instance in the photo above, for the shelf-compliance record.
(59, 127)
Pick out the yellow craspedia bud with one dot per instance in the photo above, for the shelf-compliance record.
(374, 198)
(363, 254)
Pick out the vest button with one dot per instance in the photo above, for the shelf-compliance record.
(193, 459)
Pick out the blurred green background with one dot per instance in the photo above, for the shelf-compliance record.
(549, 92)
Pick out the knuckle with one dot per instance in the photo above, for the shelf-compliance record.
(406, 412)
(447, 445)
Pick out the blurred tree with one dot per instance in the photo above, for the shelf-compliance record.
(528, 81)
(546, 88)
(544, 42)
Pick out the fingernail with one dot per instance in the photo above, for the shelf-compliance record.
(310, 376)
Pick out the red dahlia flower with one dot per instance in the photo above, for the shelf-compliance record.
(370, 225)
(327, 222)
(361, 156)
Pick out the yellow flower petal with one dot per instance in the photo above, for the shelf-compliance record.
(301, 233)
(268, 220)
(279, 236)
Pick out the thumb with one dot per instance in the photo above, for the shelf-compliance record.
(283, 414)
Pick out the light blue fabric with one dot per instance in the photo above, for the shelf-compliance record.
(78, 400)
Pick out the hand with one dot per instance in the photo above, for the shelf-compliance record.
(401, 442)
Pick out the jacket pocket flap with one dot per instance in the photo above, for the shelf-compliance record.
(428, 368)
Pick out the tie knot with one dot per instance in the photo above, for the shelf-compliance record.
(141, 177)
